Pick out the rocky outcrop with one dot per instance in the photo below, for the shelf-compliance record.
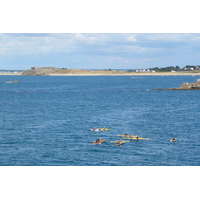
(191, 86)
(40, 71)
(186, 86)
(45, 71)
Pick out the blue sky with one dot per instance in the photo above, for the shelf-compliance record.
(98, 51)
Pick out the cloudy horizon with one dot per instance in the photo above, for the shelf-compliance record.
(98, 50)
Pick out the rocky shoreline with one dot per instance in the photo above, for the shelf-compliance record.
(186, 86)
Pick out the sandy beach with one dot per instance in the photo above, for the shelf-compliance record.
(129, 74)
(11, 73)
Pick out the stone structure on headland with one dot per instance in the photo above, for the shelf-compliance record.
(46, 71)
(41, 71)
(186, 86)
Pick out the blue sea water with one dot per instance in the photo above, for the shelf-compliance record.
(45, 121)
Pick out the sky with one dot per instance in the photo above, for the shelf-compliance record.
(98, 50)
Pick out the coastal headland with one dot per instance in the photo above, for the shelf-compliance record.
(186, 86)
(53, 71)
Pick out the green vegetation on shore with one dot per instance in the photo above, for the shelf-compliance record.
(176, 68)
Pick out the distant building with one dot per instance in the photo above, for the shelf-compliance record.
(197, 67)
(34, 68)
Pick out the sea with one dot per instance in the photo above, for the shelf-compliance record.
(46, 121)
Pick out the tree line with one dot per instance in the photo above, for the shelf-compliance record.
(176, 68)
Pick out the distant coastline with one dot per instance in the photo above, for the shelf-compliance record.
(130, 74)
(99, 73)
(52, 71)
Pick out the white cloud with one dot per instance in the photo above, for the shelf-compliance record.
(90, 48)
(21, 44)
(131, 37)
(170, 37)
(90, 39)
(35, 44)
(116, 59)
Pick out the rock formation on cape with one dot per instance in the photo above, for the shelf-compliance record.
(45, 71)
(40, 71)
(186, 86)
(48, 71)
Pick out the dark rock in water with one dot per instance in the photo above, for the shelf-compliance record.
(186, 86)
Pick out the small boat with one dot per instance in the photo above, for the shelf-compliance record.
(173, 140)
(100, 129)
(98, 142)
(119, 143)
(136, 138)
(105, 129)
(128, 136)
(123, 141)
(95, 129)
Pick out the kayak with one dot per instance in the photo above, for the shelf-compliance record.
(96, 129)
(128, 136)
(105, 129)
(120, 142)
(140, 138)
(172, 140)
(100, 129)
(123, 141)
(99, 142)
